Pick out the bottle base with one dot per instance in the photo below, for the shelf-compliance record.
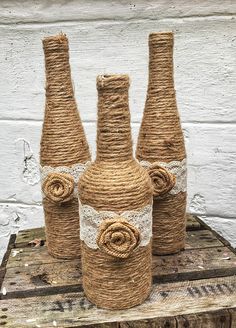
(113, 283)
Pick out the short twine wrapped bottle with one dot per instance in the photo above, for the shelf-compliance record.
(64, 152)
(115, 195)
(161, 149)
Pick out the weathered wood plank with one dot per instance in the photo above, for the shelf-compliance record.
(166, 300)
(216, 234)
(233, 317)
(151, 323)
(192, 223)
(201, 239)
(43, 278)
(6, 257)
(8, 251)
(215, 319)
(44, 274)
(194, 264)
(39, 255)
(21, 257)
(25, 236)
(194, 240)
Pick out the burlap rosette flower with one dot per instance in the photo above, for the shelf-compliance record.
(117, 237)
(58, 187)
(163, 180)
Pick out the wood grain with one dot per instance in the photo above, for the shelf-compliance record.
(194, 264)
(215, 319)
(47, 292)
(25, 236)
(166, 300)
(6, 257)
(37, 271)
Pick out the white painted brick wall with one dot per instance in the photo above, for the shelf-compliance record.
(111, 37)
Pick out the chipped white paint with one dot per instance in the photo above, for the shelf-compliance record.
(30, 166)
(197, 204)
(4, 291)
(30, 320)
(112, 37)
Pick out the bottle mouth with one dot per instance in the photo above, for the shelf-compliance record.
(161, 37)
(55, 41)
(112, 81)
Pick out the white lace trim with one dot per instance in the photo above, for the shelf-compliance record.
(178, 168)
(75, 171)
(90, 220)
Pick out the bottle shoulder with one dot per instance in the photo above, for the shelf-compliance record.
(115, 186)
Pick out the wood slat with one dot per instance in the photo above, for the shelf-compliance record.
(44, 274)
(201, 239)
(21, 257)
(215, 319)
(43, 279)
(33, 255)
(166, 300)
(233, 316)
(216, 234)
(194, 264)
(25, 236)
(150, 323)
(6, 257)
(32, 269)
(192, 223)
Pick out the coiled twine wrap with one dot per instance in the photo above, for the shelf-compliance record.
(63, 143)
(161, 140)
(117, 272)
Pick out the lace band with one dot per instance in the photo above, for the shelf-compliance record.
(177, 169)
(75, 170)
(60, 184)
(111, 231)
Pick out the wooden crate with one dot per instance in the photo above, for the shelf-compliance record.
(196, 288)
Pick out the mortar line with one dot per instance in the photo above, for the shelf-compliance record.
(30, 120)
(34, 23)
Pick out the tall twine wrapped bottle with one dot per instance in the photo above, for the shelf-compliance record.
(115, 195)
(64, 152)
(161, 149)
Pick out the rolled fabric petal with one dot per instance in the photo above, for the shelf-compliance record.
(117, 237)
(163, 180)
(58, 187)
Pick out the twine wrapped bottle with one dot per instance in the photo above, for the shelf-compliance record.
(115, 195)
(161, 150)
(64, 152)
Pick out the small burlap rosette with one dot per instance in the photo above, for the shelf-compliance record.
(117, 237)
(58, 187)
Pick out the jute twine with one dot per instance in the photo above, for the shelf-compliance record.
(161, 139)
(118, 274)
(63, 143)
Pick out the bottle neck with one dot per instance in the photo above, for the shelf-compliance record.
(63, 142)
(161, 75)
(113, 131)
(59, 87)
